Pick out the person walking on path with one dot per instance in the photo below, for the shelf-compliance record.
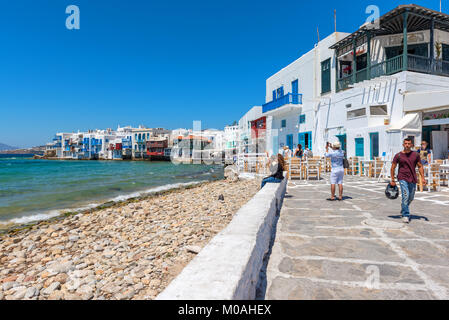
(277, 165)
(338, 171)
(407, 160)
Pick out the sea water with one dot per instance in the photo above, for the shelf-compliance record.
(32, 190)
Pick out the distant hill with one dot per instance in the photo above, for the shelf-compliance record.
(5, 147)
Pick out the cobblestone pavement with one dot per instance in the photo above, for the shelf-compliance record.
(359, 248)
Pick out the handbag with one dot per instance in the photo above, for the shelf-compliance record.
(345, 162)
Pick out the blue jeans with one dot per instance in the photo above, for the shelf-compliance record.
(408, 194)
(269, 180)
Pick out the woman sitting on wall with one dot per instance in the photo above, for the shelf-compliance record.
(277, 165)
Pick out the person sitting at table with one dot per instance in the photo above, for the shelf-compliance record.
(308, 153)
(425, 153)
(299, 152)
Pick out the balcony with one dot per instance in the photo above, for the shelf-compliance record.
(395, 65)
(288, 99)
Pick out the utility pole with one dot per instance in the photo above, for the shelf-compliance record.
(318, 33)
(440, 6)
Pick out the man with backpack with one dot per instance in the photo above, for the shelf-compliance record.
(407, 160)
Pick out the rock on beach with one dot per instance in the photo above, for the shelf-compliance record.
(132, 250)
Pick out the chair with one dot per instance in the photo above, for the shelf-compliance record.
(444, 177)
(353, 166)
(327, 164)
(295, 168)
(313, 169)
(287, 167)
(433, 177)
(377, 167)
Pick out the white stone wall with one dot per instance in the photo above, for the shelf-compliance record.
(228, 268)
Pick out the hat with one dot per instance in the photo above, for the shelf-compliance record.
(337, 144)
(392, 192)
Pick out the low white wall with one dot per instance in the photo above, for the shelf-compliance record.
(228, 267)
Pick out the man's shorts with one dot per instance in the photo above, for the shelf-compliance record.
(337, 177)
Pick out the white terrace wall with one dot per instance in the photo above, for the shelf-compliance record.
(228, 268)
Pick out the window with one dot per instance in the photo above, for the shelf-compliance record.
(378, 110)
(302, 118)
(326, 76)
(349, 105)
(283, 123)
(356, 113)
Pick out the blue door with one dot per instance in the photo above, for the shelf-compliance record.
(359, 147)
(295, 92)
(342, 139)
(305, 139)
(374, 145)
(290, 141)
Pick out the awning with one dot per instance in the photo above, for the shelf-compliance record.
(426, 100)
(410, 122)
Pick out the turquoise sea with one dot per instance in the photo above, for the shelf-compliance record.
(32, 190)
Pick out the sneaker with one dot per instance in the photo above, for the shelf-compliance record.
(406, 219)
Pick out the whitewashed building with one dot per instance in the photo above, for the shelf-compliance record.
(393, 88)
(246, 143)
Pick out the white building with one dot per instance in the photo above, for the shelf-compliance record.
(373, 102)
(245, 135)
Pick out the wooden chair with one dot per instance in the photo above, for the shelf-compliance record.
(327, 165)
(353, 166)
(377, 167)
(444, 177)
(433, 177)
(295, 168)
(287, 164)
(313, 169)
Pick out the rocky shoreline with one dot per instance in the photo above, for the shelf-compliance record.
(128, 251)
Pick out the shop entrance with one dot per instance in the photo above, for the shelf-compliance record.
(436, 132)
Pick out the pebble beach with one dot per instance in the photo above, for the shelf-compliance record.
(130, 251)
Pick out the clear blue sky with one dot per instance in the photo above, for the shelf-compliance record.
(157, 63)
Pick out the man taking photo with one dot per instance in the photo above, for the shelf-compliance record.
(407, 160)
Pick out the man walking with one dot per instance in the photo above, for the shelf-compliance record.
(407, 161)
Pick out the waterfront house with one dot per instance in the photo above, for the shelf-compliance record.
(140, 136)
(370, 89)
(156, 148)
(245, 140)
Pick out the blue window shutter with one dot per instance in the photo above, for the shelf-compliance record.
(274, 95)
(310, 141)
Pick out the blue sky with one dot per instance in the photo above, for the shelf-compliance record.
(156, 63)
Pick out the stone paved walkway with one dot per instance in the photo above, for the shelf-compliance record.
(359, 248)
